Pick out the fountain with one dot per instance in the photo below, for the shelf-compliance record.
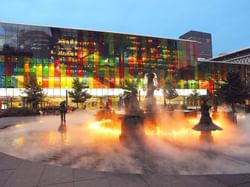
(133, 120)
(88, 143)
(132, 123)
(150, 101)
(206, 125)
(125, 144)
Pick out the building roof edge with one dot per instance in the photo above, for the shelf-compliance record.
(95, 30)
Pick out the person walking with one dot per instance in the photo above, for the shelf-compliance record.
(63, 110)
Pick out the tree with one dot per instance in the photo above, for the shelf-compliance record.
(232, 91)
(169, 91)
(130, 88)
(34, 92)
(78, 94)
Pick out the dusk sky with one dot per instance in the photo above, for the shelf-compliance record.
(227, 20)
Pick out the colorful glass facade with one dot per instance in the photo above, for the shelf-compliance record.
(100, 59)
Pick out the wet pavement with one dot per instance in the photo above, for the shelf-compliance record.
(16, 172)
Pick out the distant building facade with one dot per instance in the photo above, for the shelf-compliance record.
(239, 57)
(204, 43)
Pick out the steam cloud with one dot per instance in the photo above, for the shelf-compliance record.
(39, 140)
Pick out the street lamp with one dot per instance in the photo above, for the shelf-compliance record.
(66, 97)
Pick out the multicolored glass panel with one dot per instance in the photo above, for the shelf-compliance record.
(100, 59)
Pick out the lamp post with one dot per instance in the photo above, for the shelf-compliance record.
(66, 97)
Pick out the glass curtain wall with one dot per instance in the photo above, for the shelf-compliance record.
(101, 60)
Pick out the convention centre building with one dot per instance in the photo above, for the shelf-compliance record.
(102, 61)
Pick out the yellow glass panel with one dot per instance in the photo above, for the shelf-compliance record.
(80, 79)
(117, 81)
(69, 82)
(51, 70)
(20, 81)
(39, 70)
(63, 70)
(63, 82)
(182, 82)
(91, 82)
(51, 82)
(39, 81)
(96, 58)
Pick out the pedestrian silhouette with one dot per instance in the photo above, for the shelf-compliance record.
(63, 110)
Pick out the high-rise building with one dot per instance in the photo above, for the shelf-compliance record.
(204, 43)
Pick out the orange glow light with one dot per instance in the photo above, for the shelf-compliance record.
(180, 132)
(106, 127)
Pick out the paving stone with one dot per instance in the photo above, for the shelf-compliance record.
(93, 183)
(160, 180)
(126, 180)
(60, 185)
(197, 181)
(18, 173)
(27, 174)
(9, 121)
(247, 175)
(4, 175)
(243, 185)
(2, 155)
(55, 174)
(80, 174)
(231, 180)
(9, 162)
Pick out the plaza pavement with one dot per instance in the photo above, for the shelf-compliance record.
(6, 122)
(15, 172)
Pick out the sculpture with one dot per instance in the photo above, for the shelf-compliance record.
(206, 125)
(151, 85)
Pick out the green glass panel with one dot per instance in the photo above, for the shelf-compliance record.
(101, 61)
(45, 70)
(33, 65)
(8, 82)
(63, 71)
